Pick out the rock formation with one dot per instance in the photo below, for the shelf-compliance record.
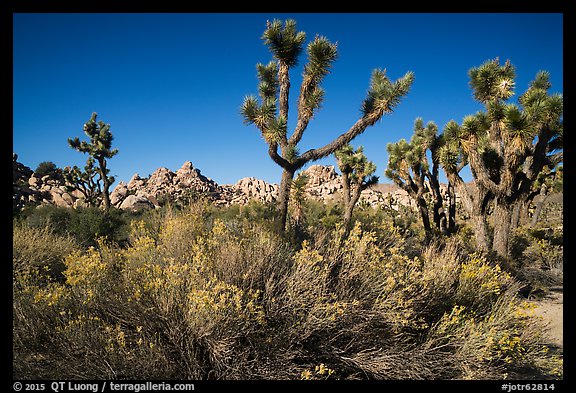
(164, 185)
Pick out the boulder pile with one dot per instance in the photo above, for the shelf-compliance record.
(164, 185)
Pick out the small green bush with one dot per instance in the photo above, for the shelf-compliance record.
(85, 224)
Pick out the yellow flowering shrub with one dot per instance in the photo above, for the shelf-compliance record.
(50, 295)
(480, 282)
(506, 335)
(84, 268)
(194, 296)
(320, 372)
(307, 283)
(174, 275)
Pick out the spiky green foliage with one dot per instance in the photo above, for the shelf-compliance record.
(286, 42)
(298, 197)
(321, 55)
(357, 166)
(100, 144)
(407, 160)
(384, 95)
(409, 167)
(491, 81)
(507, 144)
(268, 77)
(398, 166)
(299, 186)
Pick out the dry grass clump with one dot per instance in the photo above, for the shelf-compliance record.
(39, 248)
(198, 297)
(538, 258)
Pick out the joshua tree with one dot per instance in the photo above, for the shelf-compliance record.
(269, 112)
(544, 112)
(100, 149)
(512, 143)
(406, 162)
(507, 145)
(427, 138)
(84, 181)
(357, 175)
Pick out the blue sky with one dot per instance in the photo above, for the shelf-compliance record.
(171, 85)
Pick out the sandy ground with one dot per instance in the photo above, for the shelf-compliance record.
(550, 308)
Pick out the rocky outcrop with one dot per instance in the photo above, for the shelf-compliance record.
(252, 188)
(164, 185)
(325, 184)
(29, 189)
(136, 203)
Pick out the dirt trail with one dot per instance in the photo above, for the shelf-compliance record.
(550, 308)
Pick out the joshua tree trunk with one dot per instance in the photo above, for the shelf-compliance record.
(451, 209)
(502, 226)
(423, 209)
(283, 198)
(480, 232)
(475, 204)
(439, 214)
(538, 210)
(105, 183)
(349, 209)
(347, 201)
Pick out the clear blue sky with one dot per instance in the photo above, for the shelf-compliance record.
(171, 85)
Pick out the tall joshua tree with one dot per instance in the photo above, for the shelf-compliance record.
(507, 146)
(269, 111)
(357, 175)
(510, 144)
(100, 149)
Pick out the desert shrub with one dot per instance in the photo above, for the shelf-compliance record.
(502, 343)
(57, 218)
(90, 223)
(39, 248)
(48, 168)
(85, 224)
(322, 215)
(60, 332)
(538, 256)
(480, 282)
(195, 295)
